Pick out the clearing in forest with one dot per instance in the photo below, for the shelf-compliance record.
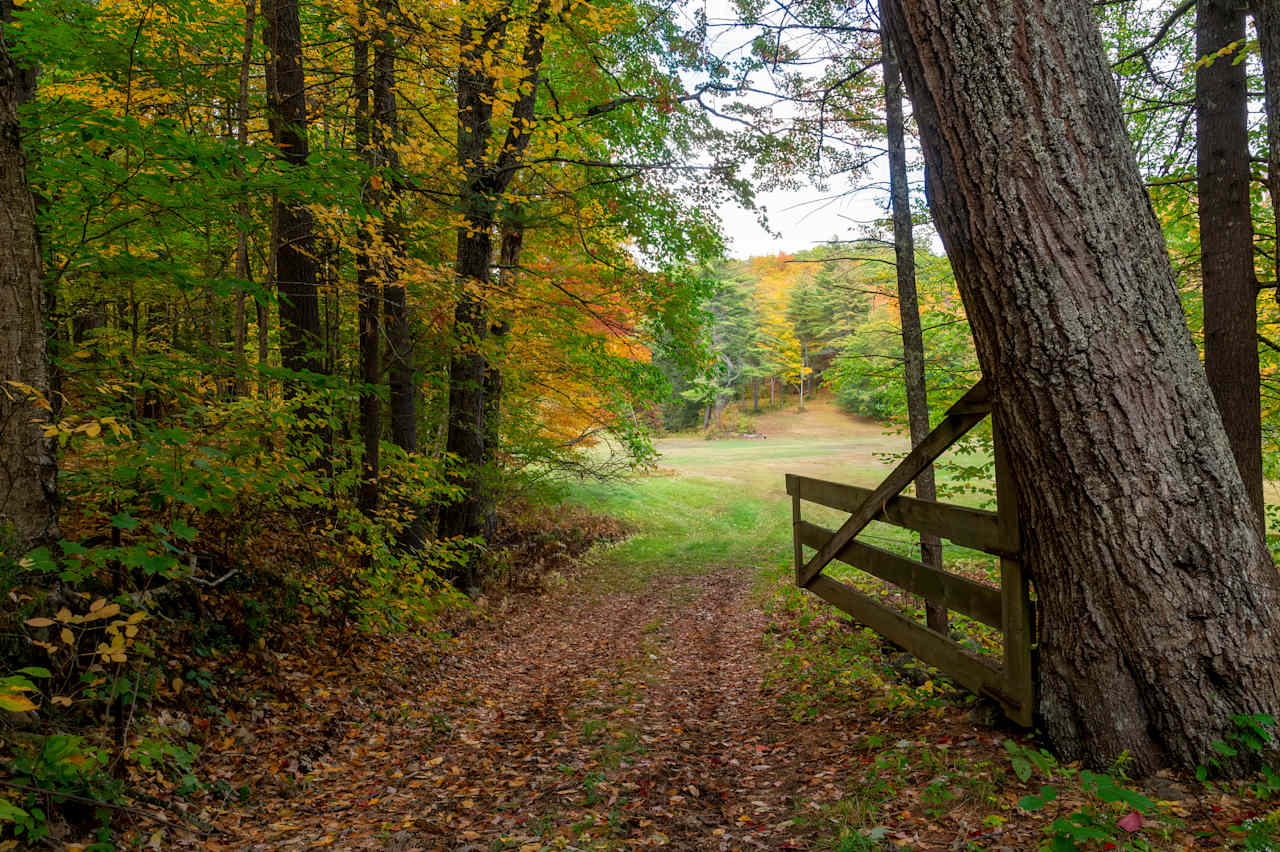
(674, 691)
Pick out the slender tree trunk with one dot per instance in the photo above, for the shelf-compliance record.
(400, 357)
(1157, 596)
(243, 271)
(1266, 20)
(755, 395)
(28, 464)
(904, 250)
(300, 333)
(368, 288)
(804, 360)
(1226, 237)
(264, 314)
(509, 249)
(773, 381)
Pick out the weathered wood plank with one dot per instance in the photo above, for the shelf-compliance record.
(975, 600)
(950, 430)
(1018, 623)
(795, 533)
(966, 667)
(962, 525)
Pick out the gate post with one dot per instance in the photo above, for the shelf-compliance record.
(1019, 630)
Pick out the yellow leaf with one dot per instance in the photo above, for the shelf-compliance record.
(61, 700)
(97, 605)
(68, 638)
(64, 615)
(39, 622)
(93, 430)
(15, 703)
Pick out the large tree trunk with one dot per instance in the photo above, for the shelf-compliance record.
(904, 250)
(1226, 237)
(294, 249)
(28, 466)
(1157, 595)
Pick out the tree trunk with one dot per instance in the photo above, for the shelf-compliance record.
(369, 296)
(1266, 20)
(1226, 237)
(755, 395)
(28, 465)
(483, 183)
(294, 250)
(1157, 596)
(509, 249)
(243, 271)
(400, 358)
(772, 382)
(804, 358)
(904, 250)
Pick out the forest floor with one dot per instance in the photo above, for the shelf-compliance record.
(672, 690)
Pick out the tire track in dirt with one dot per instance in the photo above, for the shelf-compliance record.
(628, 720)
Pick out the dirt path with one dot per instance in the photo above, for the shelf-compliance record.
(637, 719)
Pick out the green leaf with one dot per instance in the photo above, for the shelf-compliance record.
(182, 530)
(35, 671)
(124, 521)
(9, 812)
(1034, 803)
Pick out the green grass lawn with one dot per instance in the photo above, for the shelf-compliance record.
(723, 503)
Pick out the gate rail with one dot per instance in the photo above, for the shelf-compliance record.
(1008, 608)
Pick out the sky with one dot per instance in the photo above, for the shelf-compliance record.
(800, 219)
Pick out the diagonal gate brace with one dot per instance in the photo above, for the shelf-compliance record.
(968, 412)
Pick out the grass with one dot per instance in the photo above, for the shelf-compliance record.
(715, 505)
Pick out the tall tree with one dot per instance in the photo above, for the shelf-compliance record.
(1266, 20)
(293, 245)
(1157, 596)
(28, 466)
(1226, 234)
(386, 132)
(368, 285)
(904, 250)
(485, 179)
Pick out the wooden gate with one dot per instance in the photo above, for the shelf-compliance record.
(1008, 609)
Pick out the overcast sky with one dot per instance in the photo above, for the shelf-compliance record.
(801, 219)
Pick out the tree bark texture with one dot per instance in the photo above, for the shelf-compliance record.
(28, 464)
(484, 183)
(301, 344)
(1266, 21)
(1226, 236)
(904, 250)
(1158, 600)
